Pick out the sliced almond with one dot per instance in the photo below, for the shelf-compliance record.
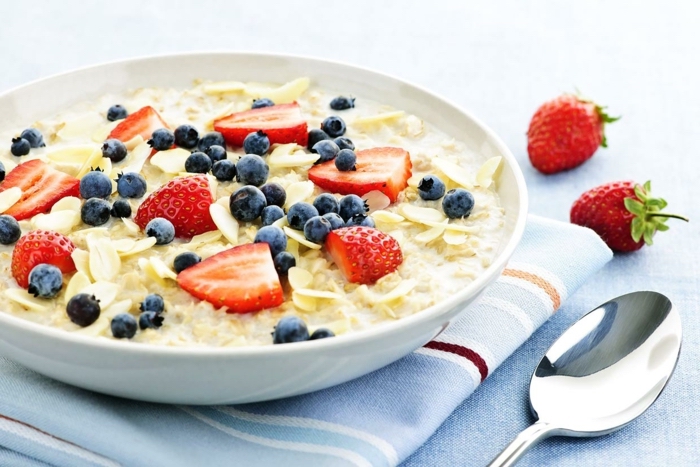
(171, 161)
(104, 259)
(60, 221)
(225, 201)
(161, 269)
(72, 154)
(225, 222)
(147, 267)
(26, 300)
(221, 113)
(415, 179)
(206, 237)
(102, 133)
(105, 164)
(376, 200)
(123, 244)
(432, 233)
(452, 237)
(139, 246)
(285, 94)
(455, 227)
(223, 87)
(78, 282)
(299, 159)
(387, 217)
(284, 150)
(385, 117)
(134, 142)
(9, 198)
(293, 248)
(69, 203)
(401, 290)
(98, 328)
(138, 157)
(91, 162)
(454, 172)
(281, 222)
(104, 291)
(130, 225)
(414, 125)
(419, 214)
(298, 191)
(304, 302)
(318, 294)
(299, 278)
(397, 235)
(81, 259)
(484, 176)
(81, 127)
(116, 308)
(299, 237)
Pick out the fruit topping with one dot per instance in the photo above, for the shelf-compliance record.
(314, 137)
(198, 162)
(116, 112)
(34, 137)
(242, 278)
(384, 169)
(224, 170)
(333, 126)
(256, 143)
(83, 309)
(41, 247)
(247, 203)
(262, 102)
(281, 123)
(273, 236)
(363, 254)
(162, 139)
(326, 149)
(142, 123)
(317, 229)
(283, 262)
(186, 136)
(153, 302)
(121, 208)
(271, 214)
(114, 150)
(20, 147)
(342, 103)
(216, 153)
(344, 143)
(45, 281)
(345, 160)
(123, 326)
(321, 333)
(95, 212)
(213, 138)
(299, 213)
(252, 170)
(131, 185)
(185, 260)
(290, 329)
(95, 184)
(9, 230)
(161, 229)
(274, 194)
(431, 188)
(457, 203)
(351, 205)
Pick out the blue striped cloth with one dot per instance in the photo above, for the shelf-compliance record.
(376, 420)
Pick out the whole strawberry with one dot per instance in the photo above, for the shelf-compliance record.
(624, 214)
(565, 132)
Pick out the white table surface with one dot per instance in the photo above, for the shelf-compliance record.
(500, 60)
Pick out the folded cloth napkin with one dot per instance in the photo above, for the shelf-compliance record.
(375, 420)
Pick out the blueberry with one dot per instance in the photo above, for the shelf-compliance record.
(2, 171)
(162, 139)
(299, 213)
(20, 147)
(263, 102)
(273, 236)
(185, 260)
(325, 203)
(458, 203)
(342, 103)
(211, 139)
(123, 325)
(335, 220)
(121, 208)
(114, 150)
(271, 214)
(344, 143)
(9, 230)
(153, 302)
(252, 170)
(34, 136)
(83, 309)
(317, 229)
(290, 329)
(95, 184)
(45, 281)
(247, 203)
(283, 262)
(224, 170)
(321, 333)
(326, 149)
(216, 153)
(351, 205)
(333, 126)
(345, 160)
(95, 211)
(315, 136)
(198, 163)
(256, 143)
(131, 185)
(150, 319)
(116, 112)
(274, 194)
(162, 229)
(431, 188)
(360, 219)
(186, 136)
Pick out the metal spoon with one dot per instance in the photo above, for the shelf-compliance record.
(603, 372)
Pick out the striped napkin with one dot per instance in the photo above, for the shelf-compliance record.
(376, 420)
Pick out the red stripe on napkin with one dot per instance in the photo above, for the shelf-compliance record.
(469, 354)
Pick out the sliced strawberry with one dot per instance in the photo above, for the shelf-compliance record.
(42, 186)
(184, 202)
(282, 123)
(383, 169)
(41, 246)
(142, 122)
(243, 279)
(363, 254)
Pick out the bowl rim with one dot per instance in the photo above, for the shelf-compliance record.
(341, 341)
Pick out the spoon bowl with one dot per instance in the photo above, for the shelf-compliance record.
(603, 372)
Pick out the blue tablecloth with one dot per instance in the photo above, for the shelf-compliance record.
(499, 60)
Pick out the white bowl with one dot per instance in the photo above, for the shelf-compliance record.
(248, 374)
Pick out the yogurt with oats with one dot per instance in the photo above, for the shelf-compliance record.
(121, 265)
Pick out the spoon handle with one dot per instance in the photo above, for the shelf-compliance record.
(527, 438)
